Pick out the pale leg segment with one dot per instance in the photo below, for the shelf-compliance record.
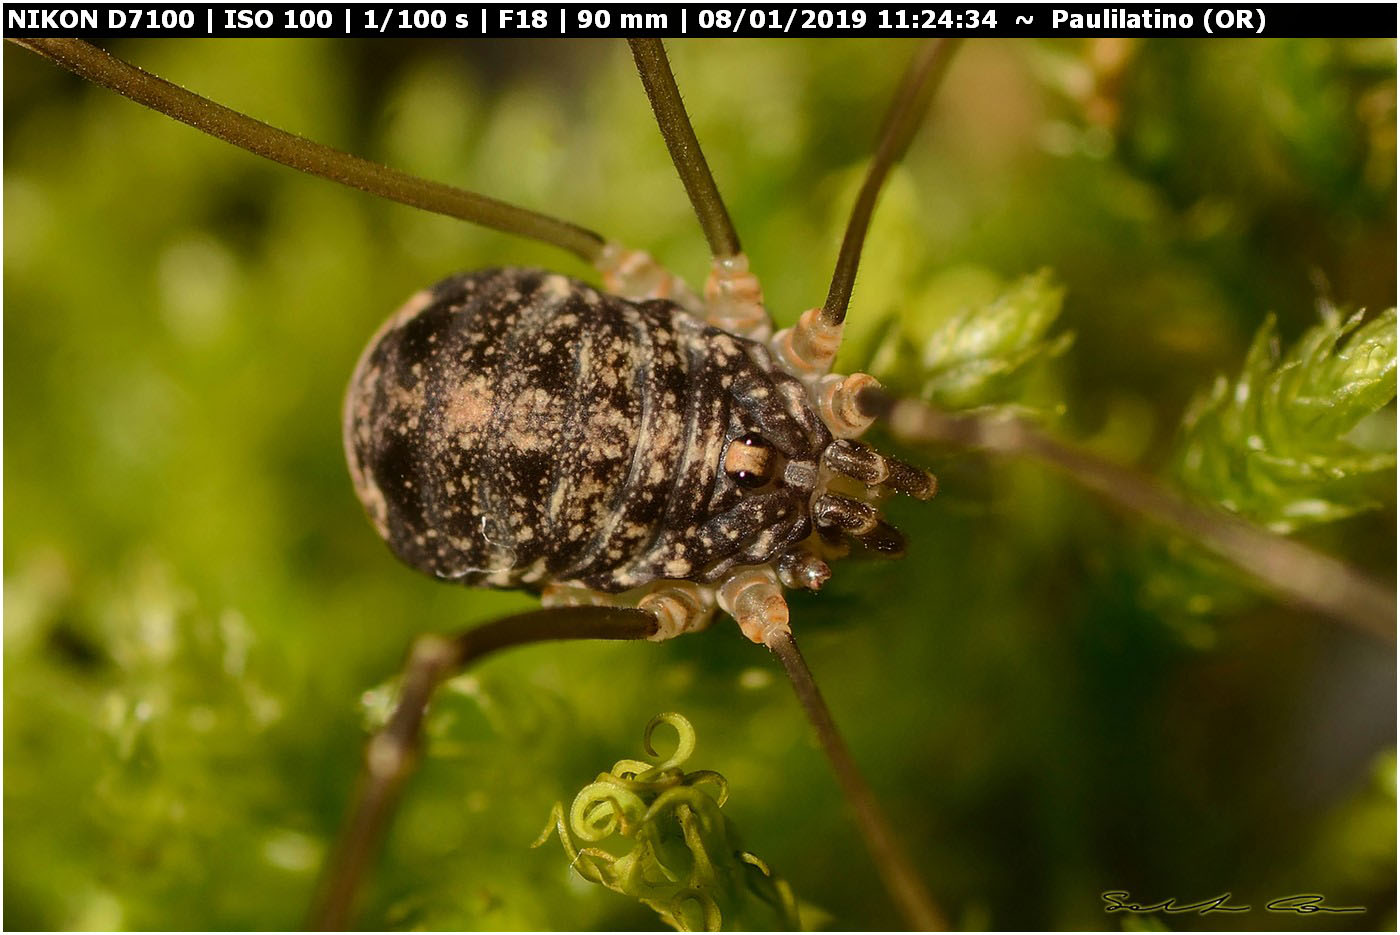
(755, 599)
(807, 351)
(635, 275)
(678, 606)
(753, 596)
(734, 299)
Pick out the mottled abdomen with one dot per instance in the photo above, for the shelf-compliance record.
(513, 427)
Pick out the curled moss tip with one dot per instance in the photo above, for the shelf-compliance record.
(658, 836)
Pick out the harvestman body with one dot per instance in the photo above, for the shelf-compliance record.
(515, 428)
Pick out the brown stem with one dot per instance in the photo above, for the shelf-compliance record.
(392, 753)
(1290, 569)
(99, 67)
(655, 72)
(906, 112)
(896, 870)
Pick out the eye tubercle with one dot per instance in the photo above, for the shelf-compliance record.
(750, 461)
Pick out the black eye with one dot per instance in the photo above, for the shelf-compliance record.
(750, 461)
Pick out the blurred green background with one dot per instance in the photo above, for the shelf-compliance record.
(195, 604)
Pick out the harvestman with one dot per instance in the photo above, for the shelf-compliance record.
(768, 484)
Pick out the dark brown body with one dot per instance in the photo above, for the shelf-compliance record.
(514, 427)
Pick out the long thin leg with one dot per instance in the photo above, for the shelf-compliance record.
(665, 97)
(1291, 569)
(811, 345)
(101, 68)
(897, 871)
(755, 600)
(392, 753)
(905, 114)
(733, 297)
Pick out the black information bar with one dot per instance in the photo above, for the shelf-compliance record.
(541, 20)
